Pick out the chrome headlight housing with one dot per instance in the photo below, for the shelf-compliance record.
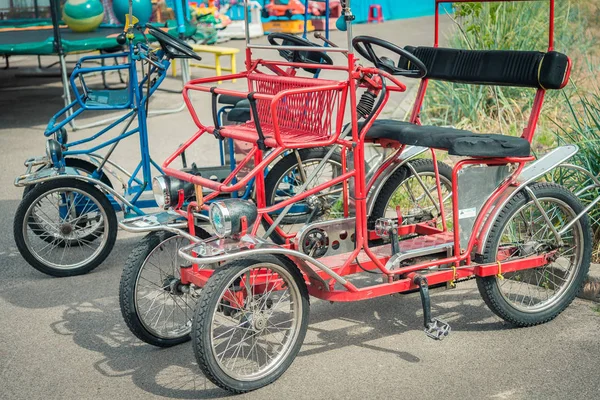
(166, 191)
(226, 216)
(160, 189)
(54, 152)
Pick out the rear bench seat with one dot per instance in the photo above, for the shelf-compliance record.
(484, 67)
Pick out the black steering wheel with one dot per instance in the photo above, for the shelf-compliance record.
(364, 46)
(306, 57)
(172, 46)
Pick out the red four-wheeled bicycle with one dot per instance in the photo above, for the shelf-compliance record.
(527, 243)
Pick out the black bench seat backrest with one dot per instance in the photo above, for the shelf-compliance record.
(493, 67)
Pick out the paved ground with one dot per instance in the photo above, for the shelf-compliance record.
(65, 339)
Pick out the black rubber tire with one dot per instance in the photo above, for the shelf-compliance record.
(38, 191)
(488, 286)
(397, 179)
(209, 300)
(133, 265)
(76, 163)
(73, 163)
(284, 165)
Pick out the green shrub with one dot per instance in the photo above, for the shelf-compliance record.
(516, 26)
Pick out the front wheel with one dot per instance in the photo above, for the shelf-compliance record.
(65, 227)
(156, 307)
(534, 296)
(250, 322)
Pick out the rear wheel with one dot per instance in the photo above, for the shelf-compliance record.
(417, 199)
(156, 307)
(284, 181)
(534, 296)
(250, 322)
(65, 227)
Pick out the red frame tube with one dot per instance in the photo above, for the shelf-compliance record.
(348, 264)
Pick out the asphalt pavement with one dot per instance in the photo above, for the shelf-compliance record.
(65, 338)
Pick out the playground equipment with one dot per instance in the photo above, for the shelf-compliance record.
(237, 27)
(83, 15)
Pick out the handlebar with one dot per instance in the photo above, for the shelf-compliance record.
(400, 87)
(318, 35)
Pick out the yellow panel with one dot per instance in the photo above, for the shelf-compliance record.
(294, 26)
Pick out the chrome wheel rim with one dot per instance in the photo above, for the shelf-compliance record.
(526, 234)
(163, 306)
(70, 241)
(251, 340)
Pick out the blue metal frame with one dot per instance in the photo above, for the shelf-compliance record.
(135, 101)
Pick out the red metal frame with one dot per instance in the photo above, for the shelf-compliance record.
(363, 257)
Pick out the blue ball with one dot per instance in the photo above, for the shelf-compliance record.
(142, 10)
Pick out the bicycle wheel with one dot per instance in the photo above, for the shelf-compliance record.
(250, 322)
(81, 166)
(53, 224)
(155, 306)
(403, 189)
(285, 179)
(534, 296)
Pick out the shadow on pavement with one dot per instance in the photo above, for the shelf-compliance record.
(173, 373)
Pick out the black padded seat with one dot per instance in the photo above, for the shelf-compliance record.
(240, 112)
(230, 100)
(458, 142)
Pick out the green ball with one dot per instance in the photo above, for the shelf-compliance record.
(83, 15)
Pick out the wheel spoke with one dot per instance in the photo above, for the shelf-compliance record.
(256, 341)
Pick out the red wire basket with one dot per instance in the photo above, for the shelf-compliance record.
(293, 112)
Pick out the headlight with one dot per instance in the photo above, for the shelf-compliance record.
(161, 192)
(166, 191)
(226, 216)
(54, 152)
(61, 136)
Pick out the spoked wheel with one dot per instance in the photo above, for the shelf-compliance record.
(250, 322)
(416, 195)
(65, 227)
(534, 296)
(286, 179)
(156, 307)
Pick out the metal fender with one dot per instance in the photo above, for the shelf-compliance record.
(529, 174)
(52, 174)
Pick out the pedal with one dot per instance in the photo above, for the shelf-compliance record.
(437, 329)
(434, 328)
(388, 228)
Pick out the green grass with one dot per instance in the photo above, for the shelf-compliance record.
(515, 26)
(582, 127)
